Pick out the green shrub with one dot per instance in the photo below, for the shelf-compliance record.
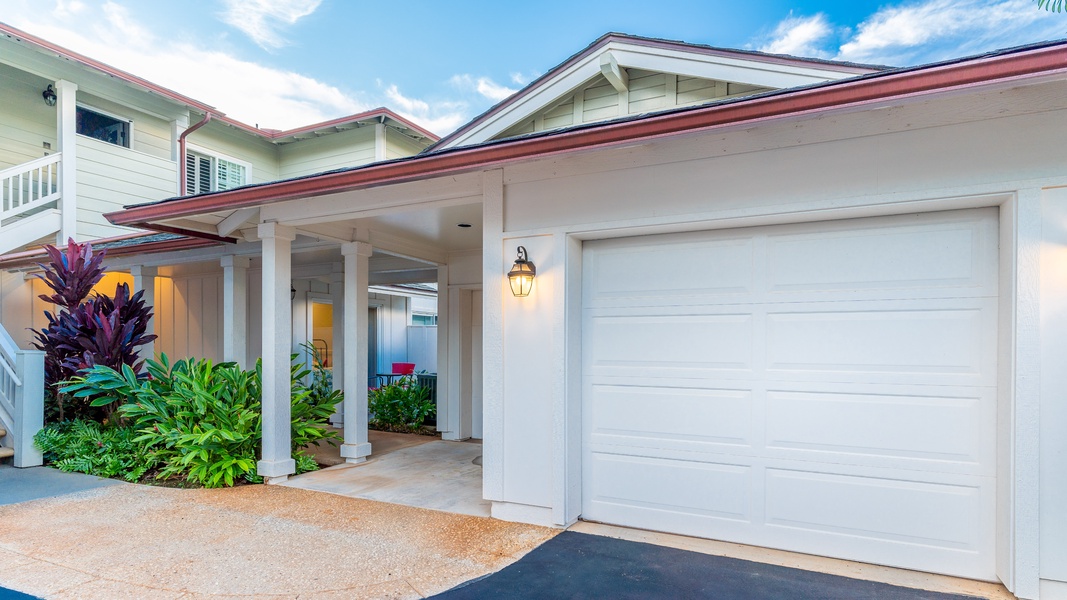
(202, 421)
(402, 405)
(89, 447)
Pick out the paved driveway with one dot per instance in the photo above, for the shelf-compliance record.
(581, 566)
(133, 541)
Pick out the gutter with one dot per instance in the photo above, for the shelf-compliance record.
(1046, 60)
(181, 152)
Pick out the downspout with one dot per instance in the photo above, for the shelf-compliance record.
(181, 151)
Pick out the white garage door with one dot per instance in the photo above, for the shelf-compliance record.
(827, 388)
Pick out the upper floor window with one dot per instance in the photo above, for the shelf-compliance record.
(206, 173)
(423, 319)
(104, 127)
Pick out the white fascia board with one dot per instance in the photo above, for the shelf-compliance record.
(689, 64)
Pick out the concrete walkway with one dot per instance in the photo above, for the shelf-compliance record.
(134, 541)
(418, 471)
(23, 485)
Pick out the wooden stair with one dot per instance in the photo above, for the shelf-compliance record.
(4, 451)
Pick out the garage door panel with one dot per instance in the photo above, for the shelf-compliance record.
(932, 344)
(698, 341)
(628, 484)
(883, 258)
(938, 514)
(839, 399)
(649, 270)
(644, 416)
(881, 429)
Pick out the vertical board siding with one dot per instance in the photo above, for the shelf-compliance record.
(189, 316)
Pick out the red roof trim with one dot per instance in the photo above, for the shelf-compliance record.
(32, 257)
(1048, 59)
(272, 134)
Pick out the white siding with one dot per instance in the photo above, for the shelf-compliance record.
(334, 151)
(26, 122)
(188, 317)
(151, 135)
(647, 91)
(398, 145)
(216, 138)
(110, 177)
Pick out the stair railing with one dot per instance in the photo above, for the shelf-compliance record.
(21, 399)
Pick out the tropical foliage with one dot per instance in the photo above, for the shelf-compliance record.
(200, 421)
(85, 331)
(400, 406)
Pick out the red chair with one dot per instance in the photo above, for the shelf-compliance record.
(402, 368)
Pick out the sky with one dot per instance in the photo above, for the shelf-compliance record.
(287, 63)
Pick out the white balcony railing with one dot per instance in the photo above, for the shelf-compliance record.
(21, 399)
(29, 186)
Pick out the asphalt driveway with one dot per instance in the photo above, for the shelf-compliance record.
(581, 566)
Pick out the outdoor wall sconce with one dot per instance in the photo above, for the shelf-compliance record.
(292, 293)
(522, 275)
(49, 95)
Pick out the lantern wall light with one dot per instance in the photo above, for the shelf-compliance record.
(522, 275)
(49, 95)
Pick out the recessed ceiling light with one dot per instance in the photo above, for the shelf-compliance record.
(464, 225)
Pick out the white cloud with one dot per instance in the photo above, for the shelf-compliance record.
(939, 29)
(800, 36)
(521, 79)
(484, 86)
(439, 117)
(261, 19)
(247, 91)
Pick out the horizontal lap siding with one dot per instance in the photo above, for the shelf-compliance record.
(333, 151)
(560, 116)
(151, 135)
(601, 101)
(648, 91)
(26, 122)
(110, 177)
(220, 139)
(398, 145)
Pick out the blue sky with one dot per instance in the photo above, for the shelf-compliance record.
(286, 63)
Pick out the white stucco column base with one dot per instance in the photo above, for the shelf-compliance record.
(355, 452)
(274, 469)
(275, 480)
(524, 513)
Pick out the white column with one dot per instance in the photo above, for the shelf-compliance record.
(277, 462)
(379, 142)
(337, 298)
(66, 129)
(29, 407)
(235, 309)
(144, 278)
(357, 270)
(443, 351)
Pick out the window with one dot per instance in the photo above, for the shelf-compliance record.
(204, 173)
(423, 319)
(95, 124)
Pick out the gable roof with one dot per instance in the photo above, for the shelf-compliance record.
(629, 51)
(272, 135)
(1013, 64)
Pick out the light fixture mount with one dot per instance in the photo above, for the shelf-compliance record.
(49, 95)
(522, 274)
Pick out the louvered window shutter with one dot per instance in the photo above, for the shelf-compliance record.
(197, 174)
(230, 175)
